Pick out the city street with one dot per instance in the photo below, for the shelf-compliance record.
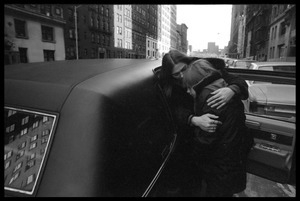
(260, 187)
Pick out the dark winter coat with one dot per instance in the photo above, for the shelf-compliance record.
(221, 155)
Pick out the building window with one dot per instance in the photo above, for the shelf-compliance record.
(20, 154)
(25, 120)
(57, 11)
(46, 10)
(119, 42)
(20, 28)
(30, 179)
(98, 39)
(48, 55)
(92, 21)
(17, 167)
(119, 30)
(106, 27)
(24, 131)
(45, 119)
(47, 33)
(102, 10)
(93, 53)
(11, 112)
(22, 146)
(32, 156)
(45, 132)
(33, 138)
(107, 41)
(282, 29)
(7, 165)
(30, 164)
(10, 128)
(36, 124)
(93, 37)
(23, 55)
(14, 177)
(71, 33)
(32, 146)
(8, 155)
(44, 140)
(281, 51)
(102, 39)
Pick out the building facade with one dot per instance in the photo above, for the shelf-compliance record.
(33, 33)
(182, 34)
(94, 31)
(164, 30)
(257, 28)
(264, 32)
(173, 27)
(151, 34)
(282, 33)
(46, 32)
(237, 32)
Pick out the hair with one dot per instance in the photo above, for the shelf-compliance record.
(174, 57)
(180, 57)
(165, 75)
(197, 72)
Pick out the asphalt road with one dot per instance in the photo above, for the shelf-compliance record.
(260, 187)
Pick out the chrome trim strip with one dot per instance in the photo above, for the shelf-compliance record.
(160, 169)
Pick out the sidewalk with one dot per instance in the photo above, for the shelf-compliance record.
(260, 187)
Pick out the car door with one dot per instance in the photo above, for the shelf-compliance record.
(272, 126)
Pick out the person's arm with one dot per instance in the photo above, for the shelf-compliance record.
(207, 122)
(236, 83)
(236, 87)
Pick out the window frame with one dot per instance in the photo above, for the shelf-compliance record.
(18, 28)
(47, 33)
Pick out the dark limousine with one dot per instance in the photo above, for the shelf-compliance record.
(90, 128)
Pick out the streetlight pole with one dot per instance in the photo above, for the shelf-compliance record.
(76, 34)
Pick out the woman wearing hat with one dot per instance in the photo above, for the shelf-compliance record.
(174, 65)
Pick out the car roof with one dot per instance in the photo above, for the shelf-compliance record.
(46, 85)
(267, 63)
(247, 60)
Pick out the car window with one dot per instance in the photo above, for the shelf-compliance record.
(241, 64)
(271, 98)
(26, 140)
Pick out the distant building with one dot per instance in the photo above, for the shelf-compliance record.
(47, 32)
(212, 48)
(264, 32)
(182, 43)
(173, 32)
(95, 31)
(164, 29)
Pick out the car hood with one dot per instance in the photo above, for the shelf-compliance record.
(273, 94)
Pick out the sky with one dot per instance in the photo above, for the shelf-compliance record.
(206, 23)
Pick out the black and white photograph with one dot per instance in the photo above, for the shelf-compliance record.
(150, 100)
